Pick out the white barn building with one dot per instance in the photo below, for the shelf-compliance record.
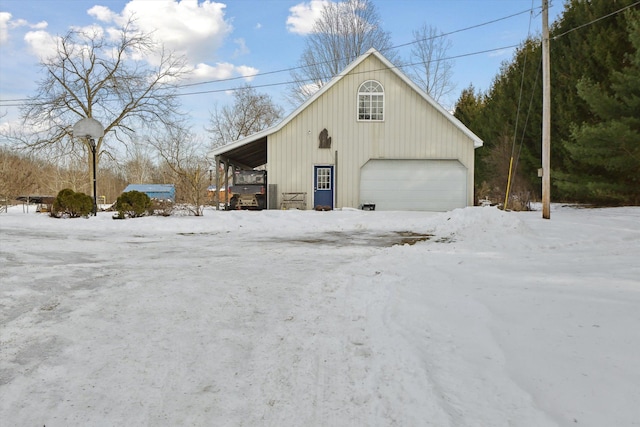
(368, 137)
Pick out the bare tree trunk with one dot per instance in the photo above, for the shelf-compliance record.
(187, 162)
(429, 66)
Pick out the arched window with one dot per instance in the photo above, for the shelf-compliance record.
(371, 101)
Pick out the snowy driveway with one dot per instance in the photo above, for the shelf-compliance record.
(286, 318)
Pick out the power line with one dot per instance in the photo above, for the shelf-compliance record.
(465, 29)
(266, 73)
(515, 130)
(597, 19)
(21, 101)
(361, 72)
(530, 10)
(285, 82)
(390, 48)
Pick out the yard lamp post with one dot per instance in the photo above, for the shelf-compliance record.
(90, 129)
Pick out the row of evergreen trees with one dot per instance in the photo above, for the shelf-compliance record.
(595, 113)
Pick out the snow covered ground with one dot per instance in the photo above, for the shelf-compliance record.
(302, 318)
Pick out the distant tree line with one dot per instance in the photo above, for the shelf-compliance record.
(23, 174)
(595, 111)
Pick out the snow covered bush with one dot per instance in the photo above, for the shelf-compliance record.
(161, 207)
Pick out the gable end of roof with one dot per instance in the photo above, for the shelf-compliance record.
(477, 142)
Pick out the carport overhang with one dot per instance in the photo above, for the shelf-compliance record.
(247, 153)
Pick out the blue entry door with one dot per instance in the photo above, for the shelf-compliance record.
(323, 186)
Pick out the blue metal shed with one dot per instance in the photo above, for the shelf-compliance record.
(155, 191)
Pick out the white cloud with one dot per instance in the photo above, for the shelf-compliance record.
(41, 43)
(242, 48)
(221, 71)
(247, 72)
(104, 14)
(7, 24)
(302, 16)
(5, 17)
(90, 29)
(308, 90)
(40, 25)
(6, 126)
(194, 29)
(258, 26)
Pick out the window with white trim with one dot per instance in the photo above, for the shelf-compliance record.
(371, 101)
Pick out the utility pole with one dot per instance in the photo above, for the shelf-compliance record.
(546, 114)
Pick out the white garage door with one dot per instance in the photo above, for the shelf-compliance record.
(416, 185)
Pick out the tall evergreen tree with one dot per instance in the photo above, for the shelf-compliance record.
(468, 110)
(606, 149)
(469, 106)
(589, 42)
(504, 121)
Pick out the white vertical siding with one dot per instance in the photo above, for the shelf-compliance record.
(412, 129)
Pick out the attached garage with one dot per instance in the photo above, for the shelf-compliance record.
(418, 185)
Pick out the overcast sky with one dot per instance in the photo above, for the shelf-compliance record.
(239, 38)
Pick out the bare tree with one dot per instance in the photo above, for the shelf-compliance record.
(139, 166)
(34, 173)
(344, 31)
(429, 67)
(67, 174)
(251, 112)
(498, 160)
(18, 175)
(102, 76)
(186, 161)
